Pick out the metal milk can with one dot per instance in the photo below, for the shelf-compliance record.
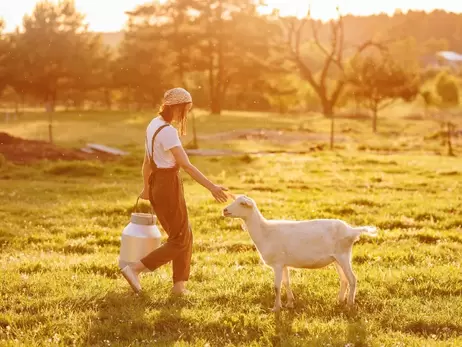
(139, 238)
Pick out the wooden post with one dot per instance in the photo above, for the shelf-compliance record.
(50, 122)
(195, 144)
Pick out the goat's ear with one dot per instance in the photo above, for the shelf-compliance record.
(246, 202)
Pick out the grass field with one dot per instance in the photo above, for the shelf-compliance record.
(61, 224)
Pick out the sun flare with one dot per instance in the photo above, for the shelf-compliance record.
(112, 18)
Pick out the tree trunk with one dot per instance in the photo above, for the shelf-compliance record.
(215, 106)
(108, 98)
(16, 107)
(329, 113)
(49, 108)
(374, 120)
(23, 103)
(449, 142)
(220, 85)
(195, 144)
(332, 130)
(443, 134)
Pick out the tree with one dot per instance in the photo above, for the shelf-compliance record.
(379, 81)
(169, 28)
(334, 60)
(142, 69)
(429, 99)
(4, 52)
(53, 53)
(226, 57)
(171, 24)
(448, 91)
(63, 49)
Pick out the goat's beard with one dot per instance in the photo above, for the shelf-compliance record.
(244, 226)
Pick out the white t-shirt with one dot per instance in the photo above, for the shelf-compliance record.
(166, 139)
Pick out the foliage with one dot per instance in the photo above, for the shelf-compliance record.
(4, 48)
(379, 81)
(54, 52)
(447, 89)
(201, 45)
(448, 92)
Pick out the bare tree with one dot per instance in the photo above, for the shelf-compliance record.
(334, 59)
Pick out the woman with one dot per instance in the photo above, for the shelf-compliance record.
(164, 189)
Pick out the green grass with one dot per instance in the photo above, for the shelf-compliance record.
(61, 223)
(398, 130)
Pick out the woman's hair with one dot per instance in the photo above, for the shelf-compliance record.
(168, 112)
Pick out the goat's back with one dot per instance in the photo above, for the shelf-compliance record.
(309, 226)
(310, 243)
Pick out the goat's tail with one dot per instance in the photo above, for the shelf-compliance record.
(368, 230)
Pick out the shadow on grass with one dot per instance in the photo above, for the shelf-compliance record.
(123, 319)
(290, 329)
(285, 336)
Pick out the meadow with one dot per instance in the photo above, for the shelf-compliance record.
(61, 224)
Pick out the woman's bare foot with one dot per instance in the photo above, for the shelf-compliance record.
(132, 273)
(132, 278)
(179, 288)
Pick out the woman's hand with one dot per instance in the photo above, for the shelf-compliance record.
(145, 194)
(182, 160)
(219, 194)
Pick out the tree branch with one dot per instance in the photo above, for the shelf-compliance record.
(338, 90)
(294, 34)
(383, 105)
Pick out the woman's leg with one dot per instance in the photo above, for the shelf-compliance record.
(170, 250)
(182, 267)
(170, 208)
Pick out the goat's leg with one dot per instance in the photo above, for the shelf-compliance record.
(278, 270)
(286, 281)
(345, 263)
(343, 283)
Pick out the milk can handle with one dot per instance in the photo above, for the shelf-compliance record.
(135, 208)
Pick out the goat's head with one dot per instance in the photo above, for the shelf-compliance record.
(242, 207)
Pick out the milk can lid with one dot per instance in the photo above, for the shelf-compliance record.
(143, 218)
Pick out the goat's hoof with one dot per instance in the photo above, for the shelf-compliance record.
(290, 304)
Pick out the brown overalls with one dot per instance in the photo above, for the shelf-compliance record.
(167, 199)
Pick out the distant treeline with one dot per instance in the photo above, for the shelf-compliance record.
(224, 51)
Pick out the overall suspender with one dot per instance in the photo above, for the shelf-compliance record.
(154, 167)
(151, 156)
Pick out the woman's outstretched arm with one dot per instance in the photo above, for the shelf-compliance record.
(182, 160)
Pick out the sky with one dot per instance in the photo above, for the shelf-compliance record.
(108, 15)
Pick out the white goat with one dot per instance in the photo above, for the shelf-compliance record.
(311, 244)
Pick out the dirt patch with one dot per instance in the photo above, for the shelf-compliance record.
(275, 136)
(21, 151)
